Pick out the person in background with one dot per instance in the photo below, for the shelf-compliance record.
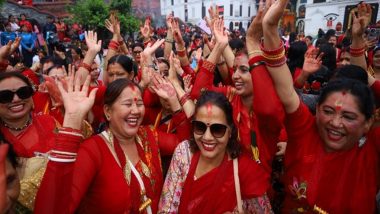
(14, 24)
(28, 40)
(25, 22)
(8, 34)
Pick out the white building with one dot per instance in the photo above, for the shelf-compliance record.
(236, 13)
(325, 14)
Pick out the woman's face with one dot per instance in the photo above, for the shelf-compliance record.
(116, 71)
(345, 59)
(17, 108)
(376, 59)
(94, 72)
(74, 55)
(126, 113)
(13, 187)
(332, 40)
(57, 72)
(242, 77)
(340, 122)
(211, 132)
(137, 53)
(163, 68)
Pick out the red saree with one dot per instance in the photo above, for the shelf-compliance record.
(211, 194)
(95, 182)
(37, 137)
(336, 182)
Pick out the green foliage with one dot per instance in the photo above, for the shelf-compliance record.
(93, 13)
(123, 8)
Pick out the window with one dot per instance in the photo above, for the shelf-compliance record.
(319, 1)
(249, 11)
(231, 9)
(172, 2)
(241, 10)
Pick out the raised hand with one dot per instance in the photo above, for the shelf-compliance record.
(163, 88)
(255, 30)
(219, 32)
(169, 21)
(92, 42)
(213, 13)
(172, 75)
(15, 45)
(313, 61)
(76, 100)
(187, 81)
(361, 20)
(150, 49)
(5, 50)
(177, 33)
(275, 10)
(146, 76)
(145, 29)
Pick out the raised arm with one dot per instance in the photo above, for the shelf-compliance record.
(94, 47)
(360, 22)
(274, 55)
(169, 41)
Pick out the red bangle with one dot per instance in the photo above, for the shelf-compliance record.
(181, 53)
(356, 52)
(276, 63)
(184, 99)
(85, 66)
(272, 52)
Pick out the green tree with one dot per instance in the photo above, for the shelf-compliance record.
(123, 8)
(90, 13)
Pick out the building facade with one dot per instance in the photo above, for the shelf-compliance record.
(237, 13)
(325, 14)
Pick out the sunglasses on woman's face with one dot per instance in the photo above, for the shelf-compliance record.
(217, 130)
(25, 92)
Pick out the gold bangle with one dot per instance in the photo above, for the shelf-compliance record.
(258, 52)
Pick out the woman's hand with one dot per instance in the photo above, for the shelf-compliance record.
(312, 62)
(92, 42)
(219, 32)
(361, 20)
(15, 45)
(76, 100)
(255, 30)
(187, 83)
(169, 21)
(177, 33)
(275, 10)
(145, 29)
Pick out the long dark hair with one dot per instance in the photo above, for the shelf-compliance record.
(124, 61)
(219, 100)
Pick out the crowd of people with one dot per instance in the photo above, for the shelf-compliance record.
(179, 121)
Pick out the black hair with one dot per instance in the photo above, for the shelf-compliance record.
(352, 72)
(296, 54)
(221, 101)
(362, 93)
(124, 61)
(115, 88)
(6, 75)
(137, 44)
(329, 57)
(78, 51)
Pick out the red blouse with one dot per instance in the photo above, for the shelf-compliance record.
(336, 182)
(267, 117)
(95, 182)
(37, 137)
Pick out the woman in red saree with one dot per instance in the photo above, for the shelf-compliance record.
(116, 171)
(332, 159)
(258, 114)
(27, 132)
(201, 175)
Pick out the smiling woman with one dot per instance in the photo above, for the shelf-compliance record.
(27, 132)
(203, 167)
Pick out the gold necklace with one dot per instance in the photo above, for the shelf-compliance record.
(27, 123)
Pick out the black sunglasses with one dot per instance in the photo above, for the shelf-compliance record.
(217, 130)
(25, 92)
